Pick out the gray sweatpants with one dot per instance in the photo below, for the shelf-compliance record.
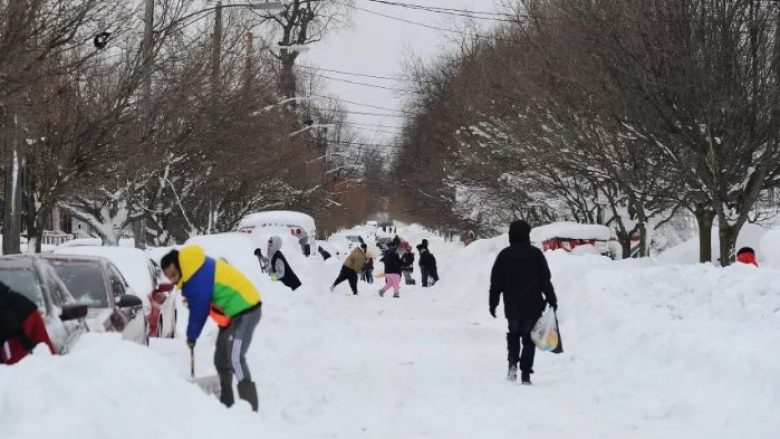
(232, 344)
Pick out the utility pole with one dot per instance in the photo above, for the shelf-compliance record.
(216, 47)
(139, 226)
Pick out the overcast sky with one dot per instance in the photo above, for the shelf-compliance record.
(377, 45)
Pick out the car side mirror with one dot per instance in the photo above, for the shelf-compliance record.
(73, 311)
(129, 301)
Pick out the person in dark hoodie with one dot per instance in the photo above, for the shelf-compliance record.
(278, 267)
(407, 262)
(522, 276)
(427, 264)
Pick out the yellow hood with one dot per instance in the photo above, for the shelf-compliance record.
(191, 258)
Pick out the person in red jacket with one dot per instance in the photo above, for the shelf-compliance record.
(21, 327)
(747, 255)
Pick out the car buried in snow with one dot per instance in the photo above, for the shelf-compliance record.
(97, 283)
(145, 278)
(34, 278)
(299, 225)
(573, 237)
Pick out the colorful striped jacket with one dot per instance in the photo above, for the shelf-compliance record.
(212, 285)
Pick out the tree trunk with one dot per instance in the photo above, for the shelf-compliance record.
(704, 219)
(728, 243)
(12, 215)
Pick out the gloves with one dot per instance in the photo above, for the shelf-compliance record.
(191, 344)
(273, 278)
(493, 312)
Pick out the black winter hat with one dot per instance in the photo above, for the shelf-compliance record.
(424, 243)
(519, 231)
(746, 250)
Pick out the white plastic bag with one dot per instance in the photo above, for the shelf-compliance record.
(545, 334)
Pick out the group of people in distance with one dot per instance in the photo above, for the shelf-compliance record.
(398, 260)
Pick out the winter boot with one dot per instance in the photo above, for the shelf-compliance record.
(396, 295)
(248, 392)
(381, 293)
(511, 374)
(332, 288)
(226, 391)
(525, 378)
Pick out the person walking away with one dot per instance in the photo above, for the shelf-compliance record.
(352, 265)
(278, 267)
(215, 288)
(747, 255)
(407, 263)
(392, 271)
(368, 271)
(21, 327)
(521, 274)
(427, 264)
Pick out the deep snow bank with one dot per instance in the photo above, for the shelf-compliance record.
(107, 388)
(668, 347)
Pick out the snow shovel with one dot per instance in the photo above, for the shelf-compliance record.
(209, 384)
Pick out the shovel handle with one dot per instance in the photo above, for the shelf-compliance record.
(192, 362)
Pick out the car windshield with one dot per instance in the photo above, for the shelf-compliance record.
(84, 281)
(23, 281)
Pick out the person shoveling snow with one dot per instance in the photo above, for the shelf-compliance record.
(213, 287)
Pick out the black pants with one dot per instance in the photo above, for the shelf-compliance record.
(519, 329)
(426, 272)
(350, 275)
(368, 275)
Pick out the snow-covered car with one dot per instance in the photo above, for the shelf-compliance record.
(145, 278)
(298, 224)
(98, 283)
(569, 236)
(37, 280)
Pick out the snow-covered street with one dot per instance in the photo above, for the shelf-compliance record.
(652, 351)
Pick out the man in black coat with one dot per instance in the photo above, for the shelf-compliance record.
(521, 274)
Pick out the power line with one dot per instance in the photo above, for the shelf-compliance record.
(364, 84)
(417, 23)
(342, 72)
(368, 125)
(367, 113)
(490, 16)
(376, 107)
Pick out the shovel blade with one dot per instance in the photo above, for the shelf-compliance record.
(209, 384)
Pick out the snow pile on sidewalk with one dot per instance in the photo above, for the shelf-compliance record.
(108, 388)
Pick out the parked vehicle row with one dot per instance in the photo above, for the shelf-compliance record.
(80, 289)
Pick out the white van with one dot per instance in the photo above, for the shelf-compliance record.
(300, 225)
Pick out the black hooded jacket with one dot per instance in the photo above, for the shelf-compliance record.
(522, 275)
